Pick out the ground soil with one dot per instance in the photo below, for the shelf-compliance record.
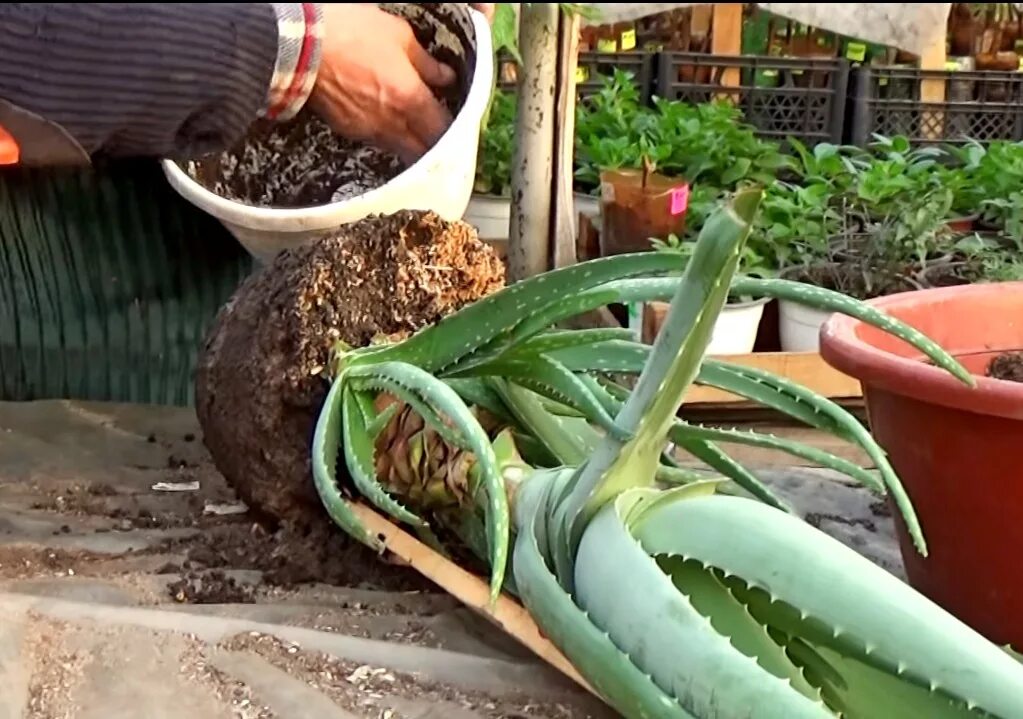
(303, 162)
(1008, 366)
(261, 377)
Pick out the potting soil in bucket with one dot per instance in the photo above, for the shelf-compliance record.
(263, 374)
(286, 184)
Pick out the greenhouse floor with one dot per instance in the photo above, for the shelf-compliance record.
(130, 576)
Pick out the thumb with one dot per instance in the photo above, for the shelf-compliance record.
(433, 72)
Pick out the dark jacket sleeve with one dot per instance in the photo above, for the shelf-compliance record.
(149, 79)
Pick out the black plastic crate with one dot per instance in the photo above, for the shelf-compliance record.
(593, 65)
(781, 97)
(983, 106)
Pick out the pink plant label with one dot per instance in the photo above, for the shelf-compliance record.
(679, 200)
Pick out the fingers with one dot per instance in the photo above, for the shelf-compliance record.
(433, 72)
(427, 118)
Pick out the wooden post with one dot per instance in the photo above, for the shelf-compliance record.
(532, 167)
(726, 37)
(563, 219)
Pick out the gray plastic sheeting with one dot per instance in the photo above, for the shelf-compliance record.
(910, 26)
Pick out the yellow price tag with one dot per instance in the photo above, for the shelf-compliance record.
(582, 74)
(856, 51)
(628, 41)
(607, 46)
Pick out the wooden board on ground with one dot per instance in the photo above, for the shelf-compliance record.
(805, 368)
(468, 589)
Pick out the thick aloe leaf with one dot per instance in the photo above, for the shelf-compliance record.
(571, 443)
(779, 394)
(860, 609)
(682, 431)
(564, 339)
(476, 392)
(457, 335)
(624, 592)
(865, 692)
(650, 289)
(673, 363)
(552, 379)
(719, 460)
(802, 403)
(624, 686)
(439, 395)
(561, 309)
(822, 299)
(359, 450)
(326, 446)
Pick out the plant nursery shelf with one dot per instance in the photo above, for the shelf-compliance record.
(805, 368)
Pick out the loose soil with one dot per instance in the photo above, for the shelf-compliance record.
(299, 163)
(261, 378)
(1008, 366)
(303, 162)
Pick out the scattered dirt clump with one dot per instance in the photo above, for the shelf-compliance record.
(261, 378)
(292, 556)
(1007, 366)
(209, 588)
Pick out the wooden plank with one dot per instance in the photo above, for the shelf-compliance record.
(933, 90)
(469, 589)
(805, 368)
(726, 37)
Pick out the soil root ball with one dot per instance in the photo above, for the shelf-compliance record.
(261, 377)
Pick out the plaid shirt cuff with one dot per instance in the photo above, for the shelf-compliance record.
(300, 34)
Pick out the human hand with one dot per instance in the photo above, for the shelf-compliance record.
(374, 81)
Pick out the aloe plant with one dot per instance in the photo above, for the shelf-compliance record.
(673, 598)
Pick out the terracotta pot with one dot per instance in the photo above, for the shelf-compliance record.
(635, 209)
(962, 224)
(956, 448)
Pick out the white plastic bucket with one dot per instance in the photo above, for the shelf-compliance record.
(589, 206)
(735, 332)
(490, 215)
(440, 181)
(800, 326)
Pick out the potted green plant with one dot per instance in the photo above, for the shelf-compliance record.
(888, 230)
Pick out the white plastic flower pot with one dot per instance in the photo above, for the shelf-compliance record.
(490, 215)
(589, 206)
(440, 181)
(735, 332)
(799, 326)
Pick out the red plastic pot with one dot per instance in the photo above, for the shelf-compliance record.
(958, 450)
